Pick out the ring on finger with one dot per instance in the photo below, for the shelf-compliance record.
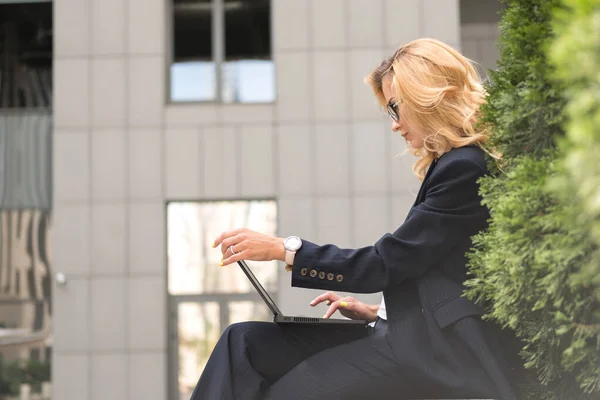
(231, 249)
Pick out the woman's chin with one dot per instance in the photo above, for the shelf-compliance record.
(414, 146)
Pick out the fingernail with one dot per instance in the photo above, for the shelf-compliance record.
(328, 302)
(343, 304)
(214, 245)
(324, 316)
(221, 263)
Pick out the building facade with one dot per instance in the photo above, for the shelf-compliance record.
(318, 152)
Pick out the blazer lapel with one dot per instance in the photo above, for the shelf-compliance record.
(421, 193)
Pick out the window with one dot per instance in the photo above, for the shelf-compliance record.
(26, 265)
(25, 55)
(203, 297)
(222, 51)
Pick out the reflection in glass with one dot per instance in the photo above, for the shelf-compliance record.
(248, 71)
(240, 311)
(248, 81)
(193, 68)
(193, 81)
(198, 332)
(193, 263)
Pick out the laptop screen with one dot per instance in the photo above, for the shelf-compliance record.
(259, 288)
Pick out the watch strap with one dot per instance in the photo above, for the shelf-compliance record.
(289, 257)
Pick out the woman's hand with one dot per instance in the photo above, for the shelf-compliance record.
(348, 306)
(249, 245)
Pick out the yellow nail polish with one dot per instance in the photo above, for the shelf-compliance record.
(214, 245)
(323, 315)
(343, 304)
(221, 263)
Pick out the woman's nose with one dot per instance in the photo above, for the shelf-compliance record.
(396, 126)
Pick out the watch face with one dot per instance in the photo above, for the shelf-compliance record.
(293, 243)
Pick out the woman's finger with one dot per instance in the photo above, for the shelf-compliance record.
(328, 296)
(223, 236)
(230, 253)
(320, 298)
(332, 309)
(235, 241)
(338, 304)
(219, 239)
(242, 255)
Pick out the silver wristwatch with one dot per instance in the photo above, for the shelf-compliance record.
(292, 244)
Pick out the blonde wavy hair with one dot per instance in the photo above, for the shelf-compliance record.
(442, 92)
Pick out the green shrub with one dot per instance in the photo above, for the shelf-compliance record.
(522, 269)
(15, 373)
(533, 268)
(524, 106)
(576, 53)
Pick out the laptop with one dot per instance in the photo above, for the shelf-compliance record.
(278, 316)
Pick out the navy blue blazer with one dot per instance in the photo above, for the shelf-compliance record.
(427, 250)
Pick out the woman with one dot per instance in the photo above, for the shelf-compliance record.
(427, 340)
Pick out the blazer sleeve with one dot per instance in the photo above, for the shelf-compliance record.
(450, 214)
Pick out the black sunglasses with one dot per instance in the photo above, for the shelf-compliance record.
(392, 109)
